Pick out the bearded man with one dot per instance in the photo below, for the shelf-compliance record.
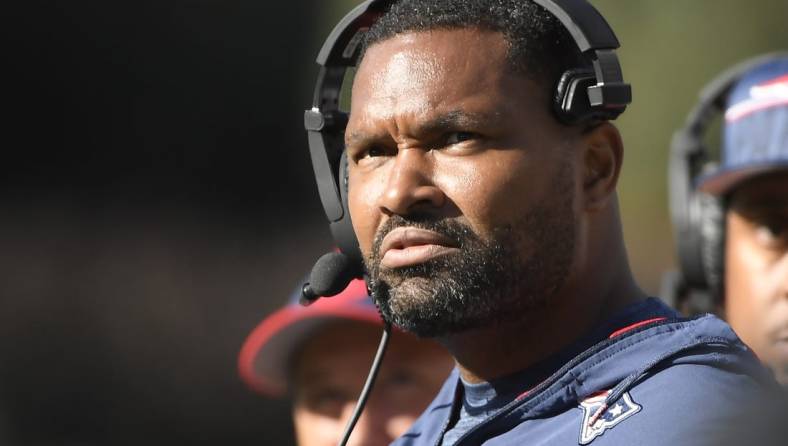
(493, 226)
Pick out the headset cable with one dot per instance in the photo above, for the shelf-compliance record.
(373, 373)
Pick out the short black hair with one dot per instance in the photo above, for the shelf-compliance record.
(540, 47)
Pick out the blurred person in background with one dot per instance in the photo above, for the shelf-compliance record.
(319, 357)
(741, 230)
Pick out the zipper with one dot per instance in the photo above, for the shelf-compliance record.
(454, 408)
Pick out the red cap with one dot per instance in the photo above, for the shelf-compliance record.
(266, 353)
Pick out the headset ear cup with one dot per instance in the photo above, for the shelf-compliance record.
(699, 287)
(570, 102)
(712, 231)
(698, 223)
(342, 230)
(708, 233)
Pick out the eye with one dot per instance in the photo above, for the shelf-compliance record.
(458, 137)
(772, 233)
(367, 154)
(373, 152)
(327, 401)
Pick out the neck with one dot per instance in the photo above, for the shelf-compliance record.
(489, 353)
(585, 301)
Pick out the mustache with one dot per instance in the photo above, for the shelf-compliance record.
(459, 232)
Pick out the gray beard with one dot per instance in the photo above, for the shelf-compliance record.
(499, 279)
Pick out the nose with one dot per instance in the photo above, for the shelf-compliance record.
(410, 187)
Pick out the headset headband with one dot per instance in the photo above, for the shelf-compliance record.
(607, 94)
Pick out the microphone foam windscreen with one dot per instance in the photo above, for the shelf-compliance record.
(331, 274)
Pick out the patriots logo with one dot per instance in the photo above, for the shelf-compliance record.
(599, 417)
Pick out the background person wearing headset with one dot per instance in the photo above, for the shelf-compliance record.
(481, 178)
(734, 243)
(319, 357)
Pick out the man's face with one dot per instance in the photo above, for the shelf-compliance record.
(461, 184)
(756, 269)
(330, 371)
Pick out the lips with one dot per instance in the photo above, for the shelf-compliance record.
(781, 335)
(408, 246)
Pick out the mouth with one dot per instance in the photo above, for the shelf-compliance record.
(781, 342)
(409, 246)
(781, 334)
(780, 350)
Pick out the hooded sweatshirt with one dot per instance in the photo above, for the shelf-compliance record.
(645, 377)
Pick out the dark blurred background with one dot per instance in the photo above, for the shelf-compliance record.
(156, 196)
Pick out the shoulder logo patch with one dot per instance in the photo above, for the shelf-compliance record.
(599, 417)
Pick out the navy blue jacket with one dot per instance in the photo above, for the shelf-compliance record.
(666, 381)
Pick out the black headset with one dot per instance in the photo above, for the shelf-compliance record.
(581, 95)
(698, 218)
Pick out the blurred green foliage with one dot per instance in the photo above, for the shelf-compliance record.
(670, 49)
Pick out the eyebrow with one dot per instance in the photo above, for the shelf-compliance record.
(458, 119)
(314, 374)
(453, 120)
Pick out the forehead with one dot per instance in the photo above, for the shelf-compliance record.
(414, 73)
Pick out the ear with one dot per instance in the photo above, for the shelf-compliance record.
(602, 159)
